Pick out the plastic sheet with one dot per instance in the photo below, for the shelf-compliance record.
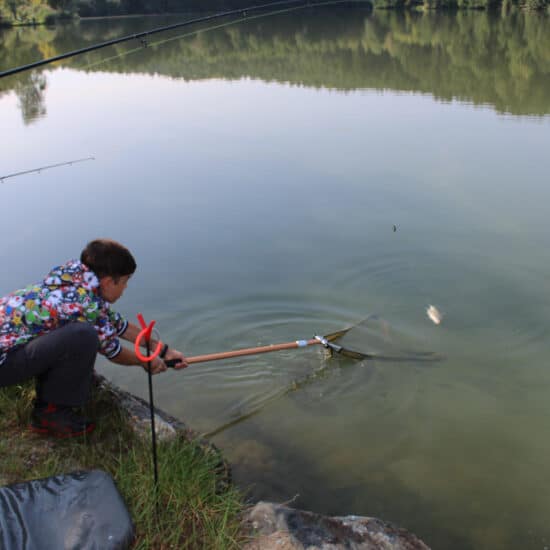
(80, 510)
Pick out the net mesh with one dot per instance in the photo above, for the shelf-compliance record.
(374, 338)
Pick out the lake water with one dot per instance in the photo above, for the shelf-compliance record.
(257, 170)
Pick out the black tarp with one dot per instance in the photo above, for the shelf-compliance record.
(76, 511)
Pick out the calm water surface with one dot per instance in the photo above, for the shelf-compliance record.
(257, 171)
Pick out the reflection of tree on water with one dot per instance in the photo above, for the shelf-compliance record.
(503, 61)
(30, 92)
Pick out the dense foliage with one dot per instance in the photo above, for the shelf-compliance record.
(38, 11)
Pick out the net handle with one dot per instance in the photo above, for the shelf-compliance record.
(245, 351)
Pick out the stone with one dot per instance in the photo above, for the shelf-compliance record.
(277, 527)
(166, 427)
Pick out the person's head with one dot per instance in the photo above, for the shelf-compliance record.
(113, 264)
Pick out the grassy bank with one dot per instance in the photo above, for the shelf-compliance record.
(199, 508)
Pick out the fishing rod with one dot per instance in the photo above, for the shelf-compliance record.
(68, 163)
(142, 35)
(91, 65)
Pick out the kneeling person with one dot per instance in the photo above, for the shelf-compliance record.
(53, 330)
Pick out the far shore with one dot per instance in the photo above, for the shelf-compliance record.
(76, 18)
(421, 7)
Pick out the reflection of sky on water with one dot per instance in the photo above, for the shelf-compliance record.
(130, 123)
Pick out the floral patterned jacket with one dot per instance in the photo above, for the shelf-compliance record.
(69, 293)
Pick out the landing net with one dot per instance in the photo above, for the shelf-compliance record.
(374, 338)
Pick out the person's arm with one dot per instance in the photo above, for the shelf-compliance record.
(131, 333)
(128, 357)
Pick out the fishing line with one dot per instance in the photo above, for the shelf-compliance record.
(142, 35)
(68, 163)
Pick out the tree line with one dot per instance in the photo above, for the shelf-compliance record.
(20, 12)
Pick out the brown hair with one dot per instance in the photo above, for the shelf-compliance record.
(106, 257)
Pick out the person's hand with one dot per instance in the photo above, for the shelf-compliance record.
(174, 354)
(155, 366)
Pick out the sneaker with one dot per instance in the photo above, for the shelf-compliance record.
(59, 421)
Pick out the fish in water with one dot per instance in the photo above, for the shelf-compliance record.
(434, 314)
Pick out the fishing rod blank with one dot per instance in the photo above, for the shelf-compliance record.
(206, 29)
(142, 35)
(68, 163)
